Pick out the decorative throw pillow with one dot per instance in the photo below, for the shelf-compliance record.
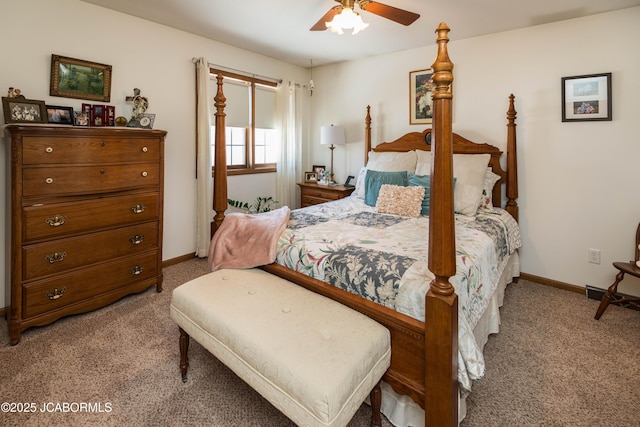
(359, 191)
(397, 200)
(373, 180)
(422, 181)
(490, 179)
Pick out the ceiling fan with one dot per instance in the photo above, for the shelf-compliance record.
(400, 16)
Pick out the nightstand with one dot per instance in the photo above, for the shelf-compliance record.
(313, 194)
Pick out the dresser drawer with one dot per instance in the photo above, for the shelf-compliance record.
(65, 254)
(41, 297)
(52, 220)
(42, 150)
(62, 180)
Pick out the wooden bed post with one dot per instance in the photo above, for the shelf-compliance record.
(367, 135)
(441, 312)
(220, 160)
(512, 162)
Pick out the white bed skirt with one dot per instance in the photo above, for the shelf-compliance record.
(401, 410)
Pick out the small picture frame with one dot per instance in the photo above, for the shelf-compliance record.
(81, 118)
(319, 169)
(145, 121)
(97, 115)
(76, 78)
(586, 98)
(348, 183)
(21, 110)
(60, 115)
(311, 177)
(110, 115)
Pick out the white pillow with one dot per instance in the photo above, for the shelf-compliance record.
(490, 179)
(469, 171)
(392, 161)
(423, 166)
(388, 161)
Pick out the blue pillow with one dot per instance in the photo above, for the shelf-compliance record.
(373, 180)
(422, 181)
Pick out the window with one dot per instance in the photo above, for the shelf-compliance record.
(252, 136)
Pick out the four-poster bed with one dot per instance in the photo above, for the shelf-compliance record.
(423, 351)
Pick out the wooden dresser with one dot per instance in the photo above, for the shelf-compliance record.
(86, 219)
(313, 194)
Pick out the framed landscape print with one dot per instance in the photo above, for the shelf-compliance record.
(75, 78)
(586, 98)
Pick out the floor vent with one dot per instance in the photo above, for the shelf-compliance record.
(597, 294)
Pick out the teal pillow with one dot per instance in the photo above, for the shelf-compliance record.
(373, 180)
(422, 181)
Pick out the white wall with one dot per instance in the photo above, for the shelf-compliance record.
(578, 181)
(152, 57)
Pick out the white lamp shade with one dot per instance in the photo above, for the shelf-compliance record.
(332, 135)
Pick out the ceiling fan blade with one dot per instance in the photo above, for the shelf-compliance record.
(321, 24)
(400, 16)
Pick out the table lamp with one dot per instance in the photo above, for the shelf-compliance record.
(332, 135)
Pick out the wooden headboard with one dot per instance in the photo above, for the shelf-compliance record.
(461, 145)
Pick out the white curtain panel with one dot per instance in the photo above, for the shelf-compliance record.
(292, 108)
(204, 181)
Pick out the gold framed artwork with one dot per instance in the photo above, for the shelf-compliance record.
(76, 78)
(311, 177)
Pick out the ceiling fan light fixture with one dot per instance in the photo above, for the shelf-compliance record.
(346, 20)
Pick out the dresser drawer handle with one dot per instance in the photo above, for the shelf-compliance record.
(137, 209)
(144, 173)
(48, 150)
(49, 180)
(56, 293)
(56, 257)
(102, 143)
(137, 270)
(56, 220)
(137, 239)
(145, 149)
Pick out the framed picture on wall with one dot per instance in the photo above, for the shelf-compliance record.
(76, 78)
(586, 98)
(420, 102)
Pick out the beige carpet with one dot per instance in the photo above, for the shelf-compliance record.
(552, 364)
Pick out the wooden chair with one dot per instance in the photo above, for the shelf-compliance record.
(631, 268)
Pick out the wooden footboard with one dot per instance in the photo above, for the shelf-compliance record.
(406, 374)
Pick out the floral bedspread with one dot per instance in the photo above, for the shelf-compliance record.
(384, 258)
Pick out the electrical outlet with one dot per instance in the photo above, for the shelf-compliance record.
(593, 256)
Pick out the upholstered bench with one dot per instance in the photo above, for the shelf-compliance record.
(311, 357)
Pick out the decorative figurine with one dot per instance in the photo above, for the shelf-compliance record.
(140, 105)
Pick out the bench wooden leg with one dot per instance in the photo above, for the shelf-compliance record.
(376, 401)
(184, 357)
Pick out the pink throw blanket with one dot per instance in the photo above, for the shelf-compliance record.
(247, 240)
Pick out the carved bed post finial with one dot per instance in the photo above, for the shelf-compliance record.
(512, 161)
(220, 160)
(441, 302)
